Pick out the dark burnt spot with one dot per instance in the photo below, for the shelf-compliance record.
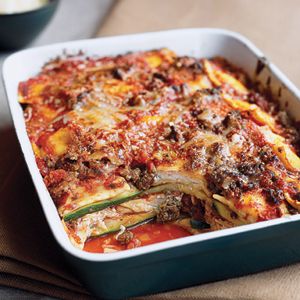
(24, 105)
(160, 76)
(138, 100)
(82, 96)
(233, 215)
(197, 66)
(176, 88)
(274, 196)
(186, 203)
(117, 73)
(233, 120)
(267, 155)
(250, 169)
(261, 64)
(292, 210)
(173, 135)
(198, 212)
(250, 186)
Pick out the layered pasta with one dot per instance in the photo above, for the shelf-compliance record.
(149, 146)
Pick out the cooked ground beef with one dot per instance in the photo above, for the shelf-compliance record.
(169, 210)
(233, 120)
(226, 180)
(141, 177)
(274, 196)
(125, 237)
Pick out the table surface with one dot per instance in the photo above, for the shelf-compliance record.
(66, 17)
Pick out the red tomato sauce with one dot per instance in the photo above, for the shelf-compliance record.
(143, 235)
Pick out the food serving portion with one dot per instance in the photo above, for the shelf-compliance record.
(150, 146)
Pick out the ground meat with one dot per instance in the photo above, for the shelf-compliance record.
(219, 153)
(85, 168)
(208, 120)
(233, 120)
(202, 98)
(226, 180)
(155, 84)
(125, 237)
(68, 162)
(145, 181)
(196, 157)
(173, 134)
(251, 168)
(63, 188)
(269, 180)
(193, 207)
(274, 196)
(267, 155)
(169, 210)
(188, 62)
(76, 100)
(130, 174)
(258, 99)
(140, 176)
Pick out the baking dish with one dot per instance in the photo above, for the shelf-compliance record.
(186, 261)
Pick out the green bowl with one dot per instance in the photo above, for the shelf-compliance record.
(19, 29)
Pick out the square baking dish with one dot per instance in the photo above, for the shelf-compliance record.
(182, 262)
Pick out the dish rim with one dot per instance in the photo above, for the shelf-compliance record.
(62, 239)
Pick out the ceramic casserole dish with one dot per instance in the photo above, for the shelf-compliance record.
(186, 261)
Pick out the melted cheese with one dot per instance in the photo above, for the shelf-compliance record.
(59, 141)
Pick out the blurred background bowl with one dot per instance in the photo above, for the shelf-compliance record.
(19, 29)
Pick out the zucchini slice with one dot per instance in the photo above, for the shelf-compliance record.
(97, 206)
(94, 207)
(128, 221)
(226, 213)
(100, 205)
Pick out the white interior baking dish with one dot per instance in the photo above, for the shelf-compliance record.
(199, 258)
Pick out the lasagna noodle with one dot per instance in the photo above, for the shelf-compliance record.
(116, 138)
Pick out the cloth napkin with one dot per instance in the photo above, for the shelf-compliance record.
(30, 258)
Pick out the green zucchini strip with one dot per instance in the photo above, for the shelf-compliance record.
(225, 213)
(97, 206)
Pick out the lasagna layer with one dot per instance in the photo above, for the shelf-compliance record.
(155, 137)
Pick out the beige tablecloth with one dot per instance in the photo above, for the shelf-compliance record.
(273, 25)
(30, 258)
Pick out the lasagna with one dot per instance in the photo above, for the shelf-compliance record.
(150, 146)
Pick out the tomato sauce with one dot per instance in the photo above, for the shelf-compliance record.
(143, 235)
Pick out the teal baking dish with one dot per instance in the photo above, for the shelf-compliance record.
(181, 262)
